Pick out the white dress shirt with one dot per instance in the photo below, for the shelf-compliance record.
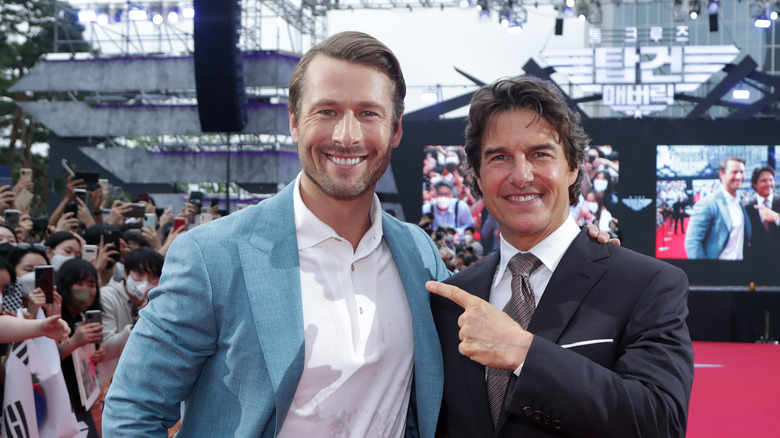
(736, 243)
(549, 251)
(359, 352)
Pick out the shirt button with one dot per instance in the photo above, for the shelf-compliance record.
(537, 415)
(556, 424)
(353, 267)
(527, 411)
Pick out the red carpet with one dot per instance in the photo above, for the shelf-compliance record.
(669, 245)
(736, 391)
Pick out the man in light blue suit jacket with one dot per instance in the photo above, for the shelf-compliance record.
(710, 227)
(224, 330)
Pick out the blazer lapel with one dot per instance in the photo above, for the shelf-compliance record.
(273, 287)
(427, 351)
(723, 209)
(478, 282)
(571, 282)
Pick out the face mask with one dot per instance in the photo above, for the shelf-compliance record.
(468, 238)
(593, 207)
(435, 180)
(137, 289)
(26, 282)
(80, 298)
(452, 160)
(57, 260)
(600, 185)
(448, 238)
(443, 203)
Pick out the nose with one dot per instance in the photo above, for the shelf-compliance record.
(347, 131)
(522, 172)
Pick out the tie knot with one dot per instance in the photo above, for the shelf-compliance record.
(523, 264)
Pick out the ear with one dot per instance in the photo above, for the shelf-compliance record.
(573, 175)
(398, 132)
(293, 126)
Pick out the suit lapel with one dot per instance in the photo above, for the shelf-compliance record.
(724, 210)
(477, 280)
(271, 272)
(571, 282)
(427, 352)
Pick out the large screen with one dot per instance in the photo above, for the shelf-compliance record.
(688, 175)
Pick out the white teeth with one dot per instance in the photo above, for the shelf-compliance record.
(522, 198)
(345, 161)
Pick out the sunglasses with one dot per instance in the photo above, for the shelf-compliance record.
(25, 246)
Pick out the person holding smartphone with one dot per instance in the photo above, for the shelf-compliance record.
(121, 299)
(77, 283)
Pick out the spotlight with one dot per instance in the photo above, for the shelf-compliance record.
(713, 6)
(173, 15)
(87, 16)
(762, 22)
(102, 17)
(464, 4)
(774, 10)
(504, 16)
(137, 14)
(694, 9)
(484, 11)
(740, 94)
(157, 16)
(188, 12)
(582, 11)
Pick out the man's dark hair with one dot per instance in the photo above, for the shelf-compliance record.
(724, 162)
(532, 94)
(144, 260)
(757, 173)
(358, 48)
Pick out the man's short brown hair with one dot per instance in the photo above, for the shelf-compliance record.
(359, 48)
(533, 94)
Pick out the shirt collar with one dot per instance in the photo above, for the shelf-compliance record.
(549, 251)
(310, 230)
(729, 198)
(760, 200)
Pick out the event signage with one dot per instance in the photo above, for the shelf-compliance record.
(641, 76)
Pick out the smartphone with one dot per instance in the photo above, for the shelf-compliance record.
(89, 252)
(96, 317)
(150, 219)
(205, 215)
(83, 195)
(104, 184)
(138, 211)
(24, 198)
(44, 279)
(197, 199)
(179, 222)
(5, 177)
(12, 218)
(67, 168)
(90, 179)
(25, 174)
(113, 236)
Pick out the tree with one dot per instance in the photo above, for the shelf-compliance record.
(28, 30)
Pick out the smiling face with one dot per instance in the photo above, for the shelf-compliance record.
(765, 184)
(524, 177)
(733, 176)
(345, 129)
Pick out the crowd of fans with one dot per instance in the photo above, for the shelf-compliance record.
(105, 257)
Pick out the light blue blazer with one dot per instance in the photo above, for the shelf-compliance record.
(223, 331)
(709, 227)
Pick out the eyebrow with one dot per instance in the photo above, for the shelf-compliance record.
(504, 149)
(334, 102)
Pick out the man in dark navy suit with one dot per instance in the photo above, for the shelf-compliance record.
(592, 340)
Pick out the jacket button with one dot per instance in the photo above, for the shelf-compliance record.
(537, 415)
(527, 411)
(556, 424)
(546, 419)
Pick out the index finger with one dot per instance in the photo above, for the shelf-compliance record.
(452, 293)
